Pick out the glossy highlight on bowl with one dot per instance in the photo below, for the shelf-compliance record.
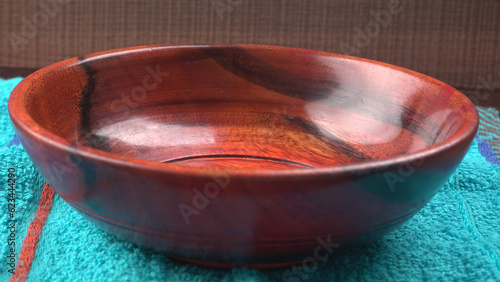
(241, 155)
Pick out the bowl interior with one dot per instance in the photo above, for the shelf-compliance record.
(247, 107)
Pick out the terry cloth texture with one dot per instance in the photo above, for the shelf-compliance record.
(455, 237)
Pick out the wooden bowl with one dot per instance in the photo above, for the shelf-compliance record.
(230, 155)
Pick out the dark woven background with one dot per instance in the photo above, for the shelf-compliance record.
(454, 40)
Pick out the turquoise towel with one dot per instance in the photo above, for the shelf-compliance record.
(455, 237)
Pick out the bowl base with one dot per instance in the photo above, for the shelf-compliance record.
(237, 161)
(227, 265)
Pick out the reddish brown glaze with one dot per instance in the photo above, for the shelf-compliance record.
(241, 154)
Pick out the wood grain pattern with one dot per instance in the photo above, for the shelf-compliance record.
(241, 154)
(491, 96)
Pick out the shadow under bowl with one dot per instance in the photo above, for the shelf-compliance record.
(230, 155)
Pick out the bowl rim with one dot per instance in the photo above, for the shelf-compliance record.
(23, 121)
